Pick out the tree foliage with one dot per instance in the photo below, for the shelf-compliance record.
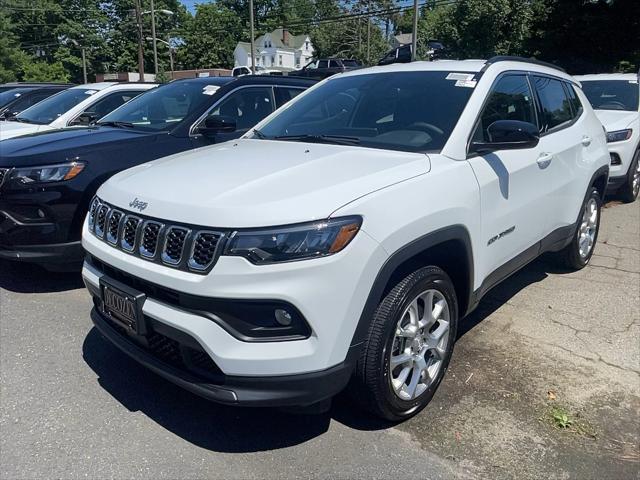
(44, 38)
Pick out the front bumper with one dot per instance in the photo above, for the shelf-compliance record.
(57, 254)
(203, 380)
(624, 151)
(329, 293)
(38, 226)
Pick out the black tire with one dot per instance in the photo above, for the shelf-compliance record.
(626, 193)
(371, 384)
(570, 256)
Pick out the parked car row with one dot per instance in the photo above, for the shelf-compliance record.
(290, 242)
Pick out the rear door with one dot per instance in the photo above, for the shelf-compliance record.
(512, 184)
(566, 143)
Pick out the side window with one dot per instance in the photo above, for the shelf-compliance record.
(510, 99)
(555, 105)
(313, 64)
(284, 94)
(333, 64)
(109, 103)
(574, 100)
(323, 64)
(247, 106)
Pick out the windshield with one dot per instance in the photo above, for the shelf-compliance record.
(163, 107)
(408, 111)
(612, 94)
(51, 108)
(10, 95)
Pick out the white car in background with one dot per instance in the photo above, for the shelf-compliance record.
(616, 100)
(76, 106)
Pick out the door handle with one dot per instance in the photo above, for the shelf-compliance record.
(544, 160)
(586, 141)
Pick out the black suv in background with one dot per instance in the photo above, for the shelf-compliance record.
(325, 67)
(20, 97)
(48, 179)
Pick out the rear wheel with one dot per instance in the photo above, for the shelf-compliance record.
(409, 346)
(577, 254)
(629, 191)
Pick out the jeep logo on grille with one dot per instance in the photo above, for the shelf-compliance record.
(138, 204)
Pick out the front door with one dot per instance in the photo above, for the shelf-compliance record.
(512, 184)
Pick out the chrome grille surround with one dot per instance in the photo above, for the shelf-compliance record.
(200, 260)
(185, 247)
(150, 237)
(101, 220)
(93, 209)
(174, 241)
(129, 234)
(113, 226)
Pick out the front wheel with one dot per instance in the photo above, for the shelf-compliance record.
(409, 345)
(577, 254)
(629, 191)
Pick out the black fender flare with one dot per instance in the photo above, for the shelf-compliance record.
(416, 247)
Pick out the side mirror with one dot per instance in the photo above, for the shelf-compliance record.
(508, 135)
(85, 118)
(215, 124)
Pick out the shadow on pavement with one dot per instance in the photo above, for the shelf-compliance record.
(29, 278)
(206, 424)
(233, 429)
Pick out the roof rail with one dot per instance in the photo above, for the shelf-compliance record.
(510, 58)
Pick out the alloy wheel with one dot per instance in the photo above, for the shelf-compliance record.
(588, 228)
(419, 344)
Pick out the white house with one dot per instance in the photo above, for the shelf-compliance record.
(277, 50)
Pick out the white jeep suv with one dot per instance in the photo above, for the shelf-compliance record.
(615, 97)
(342, 240)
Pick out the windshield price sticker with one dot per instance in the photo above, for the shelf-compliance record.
(460, 76)
(210, 89)
(466, 83)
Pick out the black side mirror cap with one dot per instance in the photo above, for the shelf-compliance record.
(215, 124)
(508, 135)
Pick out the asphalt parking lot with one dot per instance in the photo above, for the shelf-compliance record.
(544, 383)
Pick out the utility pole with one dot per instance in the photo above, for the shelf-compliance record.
(414, 40)
(170, 54)
(140, 52)
(253, 48)
(153, 35)
(369, 33)
(84, 66)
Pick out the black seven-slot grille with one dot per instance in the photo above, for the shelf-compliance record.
(185, 247)
(3, 172)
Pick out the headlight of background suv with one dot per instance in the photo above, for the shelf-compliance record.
(295, 242)
(619, 135)
(46, 173)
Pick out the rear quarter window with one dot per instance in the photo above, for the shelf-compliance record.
(554, 103)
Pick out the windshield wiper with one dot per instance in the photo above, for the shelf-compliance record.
(116, 124)
(259, 134)
(19, 119)
(336, 139)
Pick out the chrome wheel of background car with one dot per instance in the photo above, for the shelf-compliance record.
(588, 228)
(419, 344)
(635, 183)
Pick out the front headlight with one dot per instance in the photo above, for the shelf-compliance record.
(295, 242)
(619, 135)
(47, 173)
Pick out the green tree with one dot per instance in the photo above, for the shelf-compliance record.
(41, 71)
(11, 57)
(211, 36)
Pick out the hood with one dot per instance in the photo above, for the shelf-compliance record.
(257, 183)
(616, 119)
(15, 129)
(29, 150)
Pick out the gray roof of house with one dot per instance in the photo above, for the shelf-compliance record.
(295, 41)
